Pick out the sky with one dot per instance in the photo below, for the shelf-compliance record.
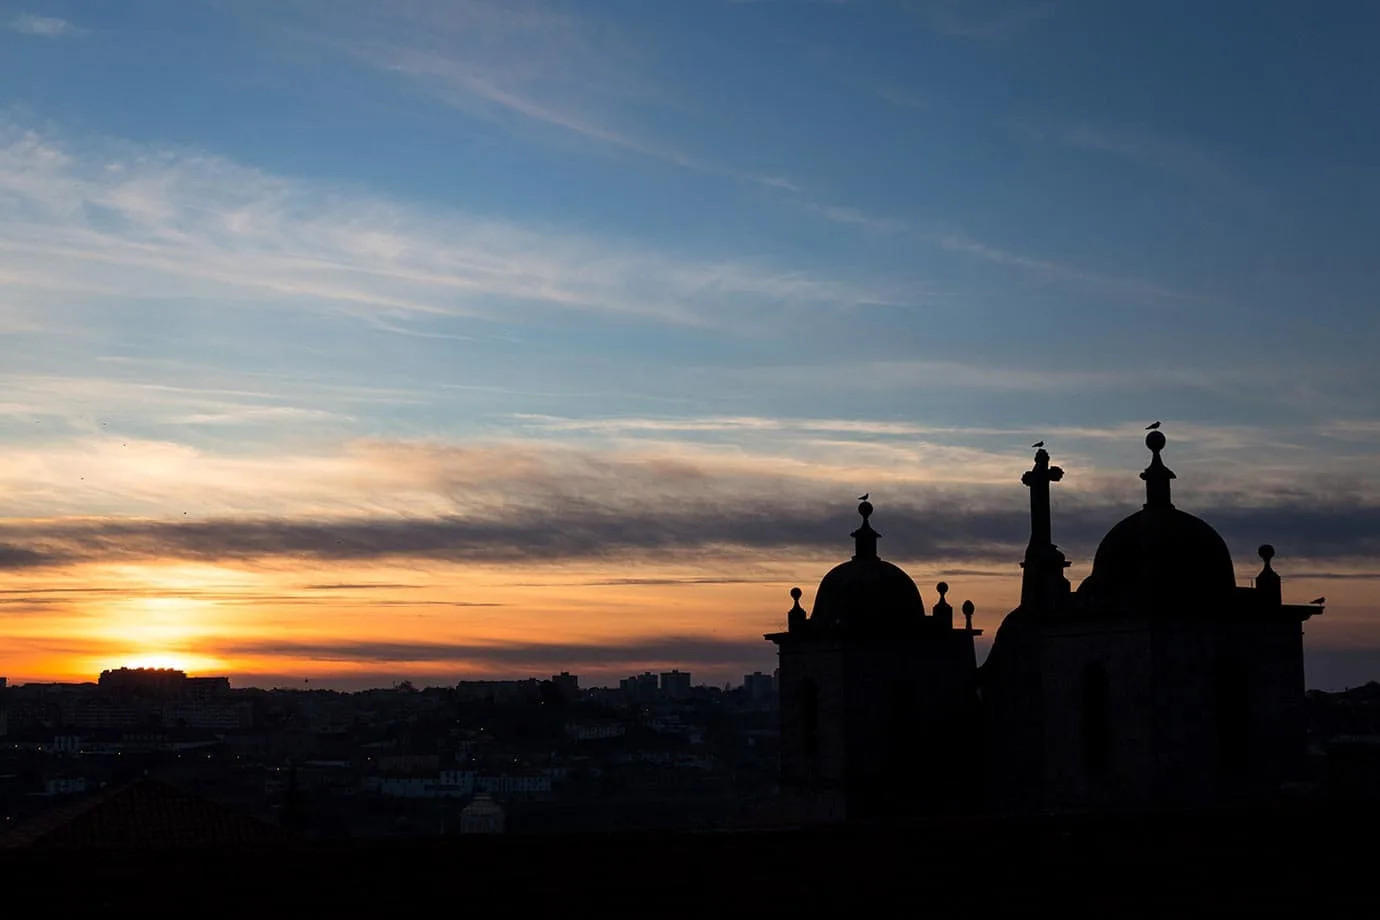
(353, 341)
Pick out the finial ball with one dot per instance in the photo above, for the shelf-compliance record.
(865, 509)
(795, 594)
(942, 588)
(1266, 552)
(1155, 441)
(968, 608)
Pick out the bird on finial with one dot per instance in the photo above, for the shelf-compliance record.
(863, 497)
(1318, 600)
(1038, 444)
(1153, 426)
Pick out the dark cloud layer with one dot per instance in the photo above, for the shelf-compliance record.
(591, 531)
(517, 655)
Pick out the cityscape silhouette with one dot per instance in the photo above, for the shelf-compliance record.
(696, 457)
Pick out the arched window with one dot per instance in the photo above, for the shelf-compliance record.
(1233, 715)
(1096, 746)
(809, 716)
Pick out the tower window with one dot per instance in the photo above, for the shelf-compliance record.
(1095, 720)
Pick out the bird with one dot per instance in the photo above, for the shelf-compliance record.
(1152, 426)
(1318, 600)
(1038, 444)
(863, 497)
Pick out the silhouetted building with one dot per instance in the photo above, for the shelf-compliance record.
(498, 691)
(878, 697)
(641, 688)
(567, 685)
(758, 687)
(1158, 683)
(206, 689)
(675, 685)
(142, 814)
(155, 683)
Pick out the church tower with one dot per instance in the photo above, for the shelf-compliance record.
(878, 697)
(1159, 683)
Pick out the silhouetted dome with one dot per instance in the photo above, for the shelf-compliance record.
(1161, 552)
(866, 593)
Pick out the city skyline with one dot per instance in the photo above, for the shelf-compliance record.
(356, 343)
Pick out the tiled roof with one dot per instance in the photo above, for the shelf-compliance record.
(145, 813)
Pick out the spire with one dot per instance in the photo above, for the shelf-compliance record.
(865, 537)
(943, 611)
(1157, 475)
(1267, 583)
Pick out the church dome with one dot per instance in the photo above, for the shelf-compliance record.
(866, 592)
(1160, 551)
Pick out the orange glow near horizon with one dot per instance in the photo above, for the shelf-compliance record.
(347, 625)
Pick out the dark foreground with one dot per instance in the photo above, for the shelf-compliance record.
(1319, 862)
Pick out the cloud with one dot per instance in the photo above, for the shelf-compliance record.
(101, 219)
(45, 26)
(652, 517)
(663, 649)
(347, 586)
(525, 60)
(1148, 148)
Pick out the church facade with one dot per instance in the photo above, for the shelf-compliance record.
(1159, 683)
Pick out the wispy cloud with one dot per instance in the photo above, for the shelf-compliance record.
(108, 219)
(1147, 148)
(525, 60)
(45, 26)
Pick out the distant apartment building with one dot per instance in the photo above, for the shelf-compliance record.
(640, 687)
(521, 785)
(4, 708)
(205, 714)
(675, 684)
(206, 689)
(758, 687)
(498, 691)
(566, 684)
(103, 713)
(158, 683)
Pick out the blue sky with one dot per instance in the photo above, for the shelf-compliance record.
(795, 249)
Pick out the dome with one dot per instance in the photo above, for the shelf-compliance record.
(866, 591)
(1160, 551)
